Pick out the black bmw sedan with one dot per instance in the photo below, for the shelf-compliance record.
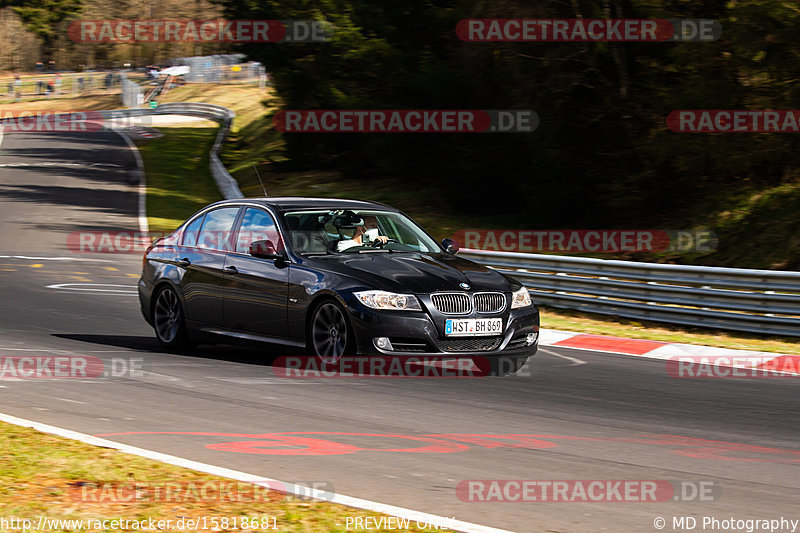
(336, 277)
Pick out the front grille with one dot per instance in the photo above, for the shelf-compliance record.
(477, 344)
(490, 302)
(452, 303)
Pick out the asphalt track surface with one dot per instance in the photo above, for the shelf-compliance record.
(406, 442)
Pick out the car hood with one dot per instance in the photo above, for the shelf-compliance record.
(416, 272)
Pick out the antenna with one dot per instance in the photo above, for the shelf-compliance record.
(259, 179)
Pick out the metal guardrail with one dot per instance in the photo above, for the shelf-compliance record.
(225, 182)
(745, 300)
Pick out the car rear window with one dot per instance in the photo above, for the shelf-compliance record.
(192, 231)
(217, 229)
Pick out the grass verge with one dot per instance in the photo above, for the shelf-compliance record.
(46, 475)
(179, 180)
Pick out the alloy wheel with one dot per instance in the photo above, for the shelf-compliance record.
(329, 333)
(167, 316)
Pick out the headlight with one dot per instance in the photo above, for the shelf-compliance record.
(388, 300)
(520, 298)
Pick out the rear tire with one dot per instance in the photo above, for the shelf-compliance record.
(168, 320)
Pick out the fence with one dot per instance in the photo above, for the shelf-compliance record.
(754, 301)
(226, 68)
(202, 69)
(67, 84)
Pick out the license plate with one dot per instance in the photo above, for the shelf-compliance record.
(473, 326)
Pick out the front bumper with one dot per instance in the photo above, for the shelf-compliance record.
(415, 333)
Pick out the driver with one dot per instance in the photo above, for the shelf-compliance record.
(365, 234)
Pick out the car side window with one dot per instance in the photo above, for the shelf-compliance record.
(218, 229)
(192, 231)
(257, 225)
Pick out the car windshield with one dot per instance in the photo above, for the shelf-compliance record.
(346, 231)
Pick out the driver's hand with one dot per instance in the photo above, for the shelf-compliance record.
(383, 238)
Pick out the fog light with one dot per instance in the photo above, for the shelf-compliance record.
(383, 343)
(530, 338)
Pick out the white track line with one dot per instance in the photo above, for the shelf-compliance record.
(575, 360)
(288, 488)
(144, 227)
(87, 287)
(59, 164)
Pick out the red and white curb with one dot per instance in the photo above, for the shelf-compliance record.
(672, 351)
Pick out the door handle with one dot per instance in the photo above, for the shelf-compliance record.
(184, 262)
(231, 270)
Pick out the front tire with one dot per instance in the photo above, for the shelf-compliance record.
(168, 320)
(330, 335)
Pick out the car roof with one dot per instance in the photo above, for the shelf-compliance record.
(292, 203)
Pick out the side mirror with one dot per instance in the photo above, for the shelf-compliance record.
(450, 246)
(264, 250)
